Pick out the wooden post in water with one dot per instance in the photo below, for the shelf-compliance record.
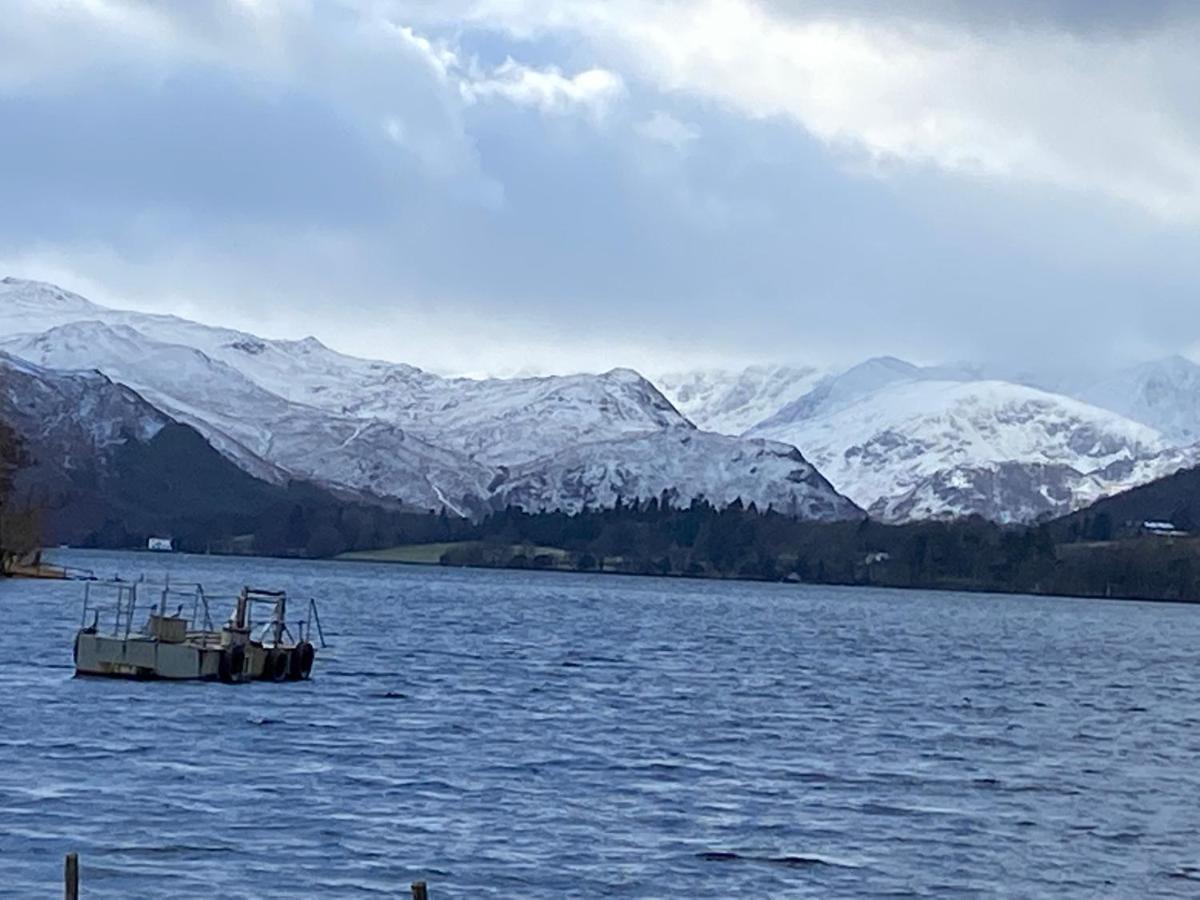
(419, 891)
(71, 876)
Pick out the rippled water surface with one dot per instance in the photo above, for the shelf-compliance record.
(543, 735)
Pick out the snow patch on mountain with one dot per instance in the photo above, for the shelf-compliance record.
(728, 401)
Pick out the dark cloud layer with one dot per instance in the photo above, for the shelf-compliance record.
(1120, 17)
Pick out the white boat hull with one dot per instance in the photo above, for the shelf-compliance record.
(144, 657)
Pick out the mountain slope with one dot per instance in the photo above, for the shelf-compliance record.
(252, 425)
(103, 458)
(729, 402)
(952, 448)
(298, 409)
(71, 420)
(501, 421)
(836, 391)
(1174, 498)
(169, 376)
(106, 468)
(1164, 394)
(683, 463)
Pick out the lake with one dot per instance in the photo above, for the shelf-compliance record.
(549, 735)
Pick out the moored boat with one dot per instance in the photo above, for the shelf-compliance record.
(178, 647)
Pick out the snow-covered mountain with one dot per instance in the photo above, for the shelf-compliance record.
(909, 442)
(902, 440)
(729, 402)
(168, 375)
(1164, 394)
(733, 402)
(298, 409)
(840, 389)
(104, 466)
(506, 421)
(1025, 492)
(935, 448)
(720, 468)
(266, 435)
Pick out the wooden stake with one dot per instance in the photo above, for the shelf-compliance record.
(419, 891)
(71, 876)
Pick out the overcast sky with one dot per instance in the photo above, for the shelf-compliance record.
(506, 185)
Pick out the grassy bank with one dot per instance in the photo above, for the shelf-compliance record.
(466, 553)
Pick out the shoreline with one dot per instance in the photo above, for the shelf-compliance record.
(673, 576)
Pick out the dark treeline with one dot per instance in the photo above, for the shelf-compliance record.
(299, 520)
(743, 542)
(19, 531)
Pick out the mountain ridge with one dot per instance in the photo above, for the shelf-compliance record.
(301, 409)
(1031, 482)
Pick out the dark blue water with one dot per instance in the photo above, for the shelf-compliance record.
(540, 735)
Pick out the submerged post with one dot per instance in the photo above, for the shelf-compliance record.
(418, 891)
(71, 876)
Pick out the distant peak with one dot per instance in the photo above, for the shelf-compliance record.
(623, 373)
(893, 363)
(43, 294)
(308, 344)
(1178, 361)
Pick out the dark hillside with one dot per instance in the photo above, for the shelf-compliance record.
(90, 462)
(1174, 499)
(176, 484)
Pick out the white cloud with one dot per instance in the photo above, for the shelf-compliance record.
(664, 128)
(547, 89)
(1104, 114)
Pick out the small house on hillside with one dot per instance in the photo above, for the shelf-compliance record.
(164, 545)
(1162, 529)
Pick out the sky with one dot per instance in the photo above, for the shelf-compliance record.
(508, 186)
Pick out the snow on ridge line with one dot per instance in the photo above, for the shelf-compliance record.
(505, 421)
(394, 430)
(511, 422)
(717, 467)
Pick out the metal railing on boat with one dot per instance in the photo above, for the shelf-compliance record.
(200, 620)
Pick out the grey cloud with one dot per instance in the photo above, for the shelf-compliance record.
(1112, 17)
(286, 200)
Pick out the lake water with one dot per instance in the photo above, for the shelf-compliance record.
(546, 735)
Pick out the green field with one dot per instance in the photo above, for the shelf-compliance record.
(431, 554)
